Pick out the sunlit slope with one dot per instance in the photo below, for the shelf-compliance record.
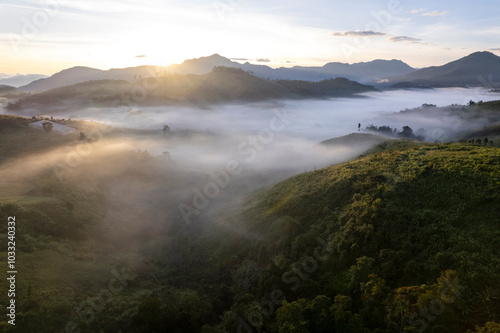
(414, 216)
(18, 139)
(223, 84)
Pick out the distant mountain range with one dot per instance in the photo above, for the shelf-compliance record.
(363, 72)
(222, 84)
(19, 80)
(476, 69)
(82, 74)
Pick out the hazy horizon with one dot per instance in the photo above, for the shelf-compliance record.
(44, 38)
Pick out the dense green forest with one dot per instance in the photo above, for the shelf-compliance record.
(402, 239)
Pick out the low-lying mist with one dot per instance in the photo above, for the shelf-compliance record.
(316, 120)
(162, 189)
(213, 157)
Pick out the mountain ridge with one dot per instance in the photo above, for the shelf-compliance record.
(475, 69)
(478, 68)
(363, 72)
(222, 84)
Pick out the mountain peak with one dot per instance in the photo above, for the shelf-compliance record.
(213, 57)
(481, 54)
(479, 58)
(465, 71)
(216, 56)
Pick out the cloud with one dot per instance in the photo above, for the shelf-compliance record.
(495, 49)
(263, 60)
(414, 11)
(239, 59)
(141, 56)
(358, 33)
(435, 13)
(397, 39)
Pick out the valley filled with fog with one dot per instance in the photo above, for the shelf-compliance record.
(265, 142)
(265, 134)
(143, 180)
(315, 120)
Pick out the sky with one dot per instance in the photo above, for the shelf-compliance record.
(47, 36)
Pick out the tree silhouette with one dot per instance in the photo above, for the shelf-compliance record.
(70, 206)
(47, 126)
(166, 129)
(407, 132)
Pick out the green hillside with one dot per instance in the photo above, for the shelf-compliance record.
(402, 240)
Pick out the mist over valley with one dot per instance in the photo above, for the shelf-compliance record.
(223, 201)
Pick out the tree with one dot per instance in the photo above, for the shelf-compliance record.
(166, 129)
(485, 141)
(385, 129)
(70, 206)
(149, 315)
(371, 127)
(407, 132)
(47, 126)
(489, 327)
(421, 134)
(290, 317)
(14, 106)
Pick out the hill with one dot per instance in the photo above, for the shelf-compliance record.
(364, 141)
(10, 92)
(373, 245)
(223, 84)
(18, 139)
(364, 72)
(19, 80)
(462, 72)
(403, 239)
(80, 74)
(6, 89)
(466, 71)
(202, 65)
